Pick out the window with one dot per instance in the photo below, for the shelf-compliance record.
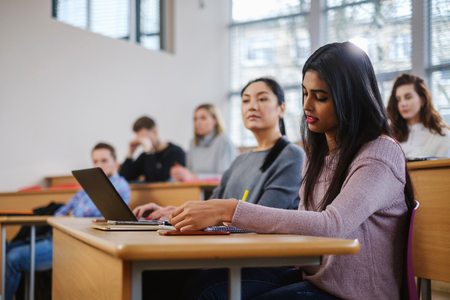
(381, 28)
(268, 38)
(401, 47)
(137, 21)
(303, 49)
(439, 55)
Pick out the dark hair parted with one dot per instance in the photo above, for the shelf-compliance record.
(105, 146)
(428, 115)
(143, 122)
(277, 90)
(349, 75)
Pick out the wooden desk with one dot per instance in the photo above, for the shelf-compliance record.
(431, 243)
(93, 264)
(28, 221)
(31, 200)
(164, 194)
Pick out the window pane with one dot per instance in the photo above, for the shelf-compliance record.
(440, 89)
(106, 17)
(111, 18)
(73, 12)
(385, 90)
(381, 28)
(440, 31)
(276, 48)
(331, 3)
(294, 113)
(247, 10)
(150, 24)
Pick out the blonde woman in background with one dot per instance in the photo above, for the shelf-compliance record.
(211, 151)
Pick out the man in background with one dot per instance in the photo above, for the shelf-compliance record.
(18, 252)
(158, 156)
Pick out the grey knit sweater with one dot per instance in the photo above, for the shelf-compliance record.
(276, 187)
(370, 207)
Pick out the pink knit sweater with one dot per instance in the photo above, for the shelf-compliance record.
(370, 207)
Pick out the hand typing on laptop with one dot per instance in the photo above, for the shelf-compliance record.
(152, 211)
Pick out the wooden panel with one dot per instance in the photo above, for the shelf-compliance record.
(58, 180)
(30, 200)
(161, 193)
(164, 196)
(431, 244)
(83, 272)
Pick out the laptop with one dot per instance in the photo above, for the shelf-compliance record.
(117, 214)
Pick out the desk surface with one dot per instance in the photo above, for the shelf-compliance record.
(429, 164)
(147, 245)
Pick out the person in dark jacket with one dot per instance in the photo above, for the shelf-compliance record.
(158, 156)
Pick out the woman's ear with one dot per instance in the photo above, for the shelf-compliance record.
(282, 110)
(422, 104)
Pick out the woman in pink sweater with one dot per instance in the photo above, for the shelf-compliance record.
(355, 186)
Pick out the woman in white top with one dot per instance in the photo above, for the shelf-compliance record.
(211, 152)
(416, 124)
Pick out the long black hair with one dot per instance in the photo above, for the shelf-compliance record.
(277, 90)
(360, 113)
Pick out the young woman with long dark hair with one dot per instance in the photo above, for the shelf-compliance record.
(355, 185)
(416, 124)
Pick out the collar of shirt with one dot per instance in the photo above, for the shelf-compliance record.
(206, 141)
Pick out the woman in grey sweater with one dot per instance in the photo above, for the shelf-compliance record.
(355, 186)
(267, 172)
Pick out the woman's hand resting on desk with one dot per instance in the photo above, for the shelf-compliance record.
(180, 173)
(153, 211)
(197, 215)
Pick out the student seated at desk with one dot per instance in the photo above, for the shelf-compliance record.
(158, 156)
(18, 252)
(211, 152)
(416, 124)
(355, 186)
(270, 172)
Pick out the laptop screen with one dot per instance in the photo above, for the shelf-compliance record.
(104, 195)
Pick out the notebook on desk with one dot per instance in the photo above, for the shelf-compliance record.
(117, 214)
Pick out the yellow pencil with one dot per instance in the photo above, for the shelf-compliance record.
(245, 195)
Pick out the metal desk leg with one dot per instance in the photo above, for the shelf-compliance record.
(426, 288)
(32, 258)
(136, 282)
(3, 260)
(234, 288)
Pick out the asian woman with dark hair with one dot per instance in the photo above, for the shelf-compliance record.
(267, 172)
(355, 186)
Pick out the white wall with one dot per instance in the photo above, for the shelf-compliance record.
(63, 89)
